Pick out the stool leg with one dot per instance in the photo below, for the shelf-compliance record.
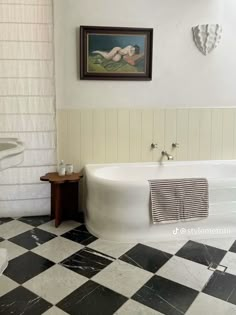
(52, 201)
(57, 203)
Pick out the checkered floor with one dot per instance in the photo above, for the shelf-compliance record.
(68, 271)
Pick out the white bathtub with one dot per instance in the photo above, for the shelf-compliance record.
(118, 200)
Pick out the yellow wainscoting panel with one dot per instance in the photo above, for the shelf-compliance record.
(182, 134)
(86, 137)
(228, 134)
(62, 135)
(170, 131)
(125, 135)
(158, 133)
(111, 136)
(135, 146)
(204, 134)
(216, 133)
(74, 142)
(193, 134)
(99, 136)
(147, 135)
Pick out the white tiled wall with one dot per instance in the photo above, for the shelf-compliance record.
(27, 109)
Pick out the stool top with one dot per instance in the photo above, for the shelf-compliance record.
(55, 178)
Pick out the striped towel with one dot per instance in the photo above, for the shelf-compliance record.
(174, 200)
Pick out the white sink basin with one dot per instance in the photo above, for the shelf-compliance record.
(11, 152)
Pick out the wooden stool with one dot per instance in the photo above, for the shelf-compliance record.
(64, 195)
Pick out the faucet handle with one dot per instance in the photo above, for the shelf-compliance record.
(154, 146)
(175, 145)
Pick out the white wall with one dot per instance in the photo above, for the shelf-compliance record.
(182, 76)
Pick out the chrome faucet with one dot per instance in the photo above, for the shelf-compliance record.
(169, 157)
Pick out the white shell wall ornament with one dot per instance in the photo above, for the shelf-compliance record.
(207, 37)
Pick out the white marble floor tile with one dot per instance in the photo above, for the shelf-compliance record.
(13, 250)
(55, 283)
(13, 228)
(229, 261)
(6, 285)
(122, 277)
(57, 249)
(221, 243)
(185, 272)
(134, 308)
(113, 249)
(61, 229)
(168, 247)
(206, 304)
(55, 311)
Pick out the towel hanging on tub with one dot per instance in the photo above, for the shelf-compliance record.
(175, 200)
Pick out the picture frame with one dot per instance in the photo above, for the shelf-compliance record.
(115, 53)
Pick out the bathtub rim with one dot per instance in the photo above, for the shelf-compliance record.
(90, 168)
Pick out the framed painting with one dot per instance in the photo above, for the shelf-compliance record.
(115, 53)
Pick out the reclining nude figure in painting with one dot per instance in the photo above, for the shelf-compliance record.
(117, 52)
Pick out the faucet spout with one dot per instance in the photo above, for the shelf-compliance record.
(169, 157)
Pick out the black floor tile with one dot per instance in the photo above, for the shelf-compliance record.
(166, 296)
(146, 257)
(35, 221)
(1, 239)
(222, 286)
(86, 262)
(22, 301)
(5, 220)
(92, 299)
(233, 248)
(26, 266)
(200, 253)
(80, 235)
(32, 238)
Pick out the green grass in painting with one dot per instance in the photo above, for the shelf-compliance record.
(99, 64)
